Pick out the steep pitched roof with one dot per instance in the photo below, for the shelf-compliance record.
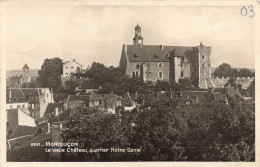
(64, 116)
(232, 92)
(25, 148)
(19, 141)
(25, 67)
(51, 108)
(23, 131)
(147, 53)
(78, 97)
(71, 61)
(15, 95)
(217, 96)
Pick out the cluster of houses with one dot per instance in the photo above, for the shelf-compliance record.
(37, 115)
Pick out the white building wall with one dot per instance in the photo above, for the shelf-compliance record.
(23, 105)
(25, 120)
(70, 67)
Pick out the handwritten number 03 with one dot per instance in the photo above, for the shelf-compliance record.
(244, 11)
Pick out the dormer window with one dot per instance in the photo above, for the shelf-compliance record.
(156, 56)
(136, 55)
(168, 56)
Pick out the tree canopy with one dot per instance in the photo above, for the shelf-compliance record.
(225, 70)
(50, 73)
(167, 131)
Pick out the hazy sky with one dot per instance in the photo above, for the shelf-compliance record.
(97, 33)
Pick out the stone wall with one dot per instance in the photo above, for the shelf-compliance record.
(152, 70)
(220, 82)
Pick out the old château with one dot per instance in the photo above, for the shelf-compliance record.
(166, 63)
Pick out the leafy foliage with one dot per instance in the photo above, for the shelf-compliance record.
(168, 131)
(225, 70)
(49, 75)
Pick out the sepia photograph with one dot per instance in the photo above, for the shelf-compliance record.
(128, 82)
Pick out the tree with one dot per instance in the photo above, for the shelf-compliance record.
(161, 86)
(49, 75)
(185, 84)
(245, 73)
(94, 129)
(234, 73)
(224, 70)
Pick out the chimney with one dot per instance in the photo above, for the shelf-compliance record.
(48, 128)
(56, 112)
(65, 105)
(162, 47)
(197, 99)
(10, 93)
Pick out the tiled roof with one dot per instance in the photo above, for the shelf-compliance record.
(97, 97)
(146, 53)
(23, 131)
(60, 97)
(25, 150)
(51, 108)
(217, 96)
(78, 97)
(25, 67)
(21, 94)
(72, 61)
(64, 116)
(41, 119)
(16, 96)
(232, 92)
(19, 141)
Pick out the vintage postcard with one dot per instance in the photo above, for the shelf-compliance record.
(143, 83)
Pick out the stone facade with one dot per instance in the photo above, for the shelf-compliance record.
(149, 71)
(166, 63)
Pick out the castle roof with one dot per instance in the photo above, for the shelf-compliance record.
(155, 53)
(26, 67)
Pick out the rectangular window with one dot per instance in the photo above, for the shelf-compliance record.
(137, 66)
(136, 74)
(181, 64)
(160, 75)
(133, 74)
(203, 64)
(182, 74)
(203, 75)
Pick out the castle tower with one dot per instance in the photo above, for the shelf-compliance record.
(138, 39)
(204, 66)
(25, 68)
(26, 75)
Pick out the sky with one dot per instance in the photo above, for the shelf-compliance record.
(87, 33)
